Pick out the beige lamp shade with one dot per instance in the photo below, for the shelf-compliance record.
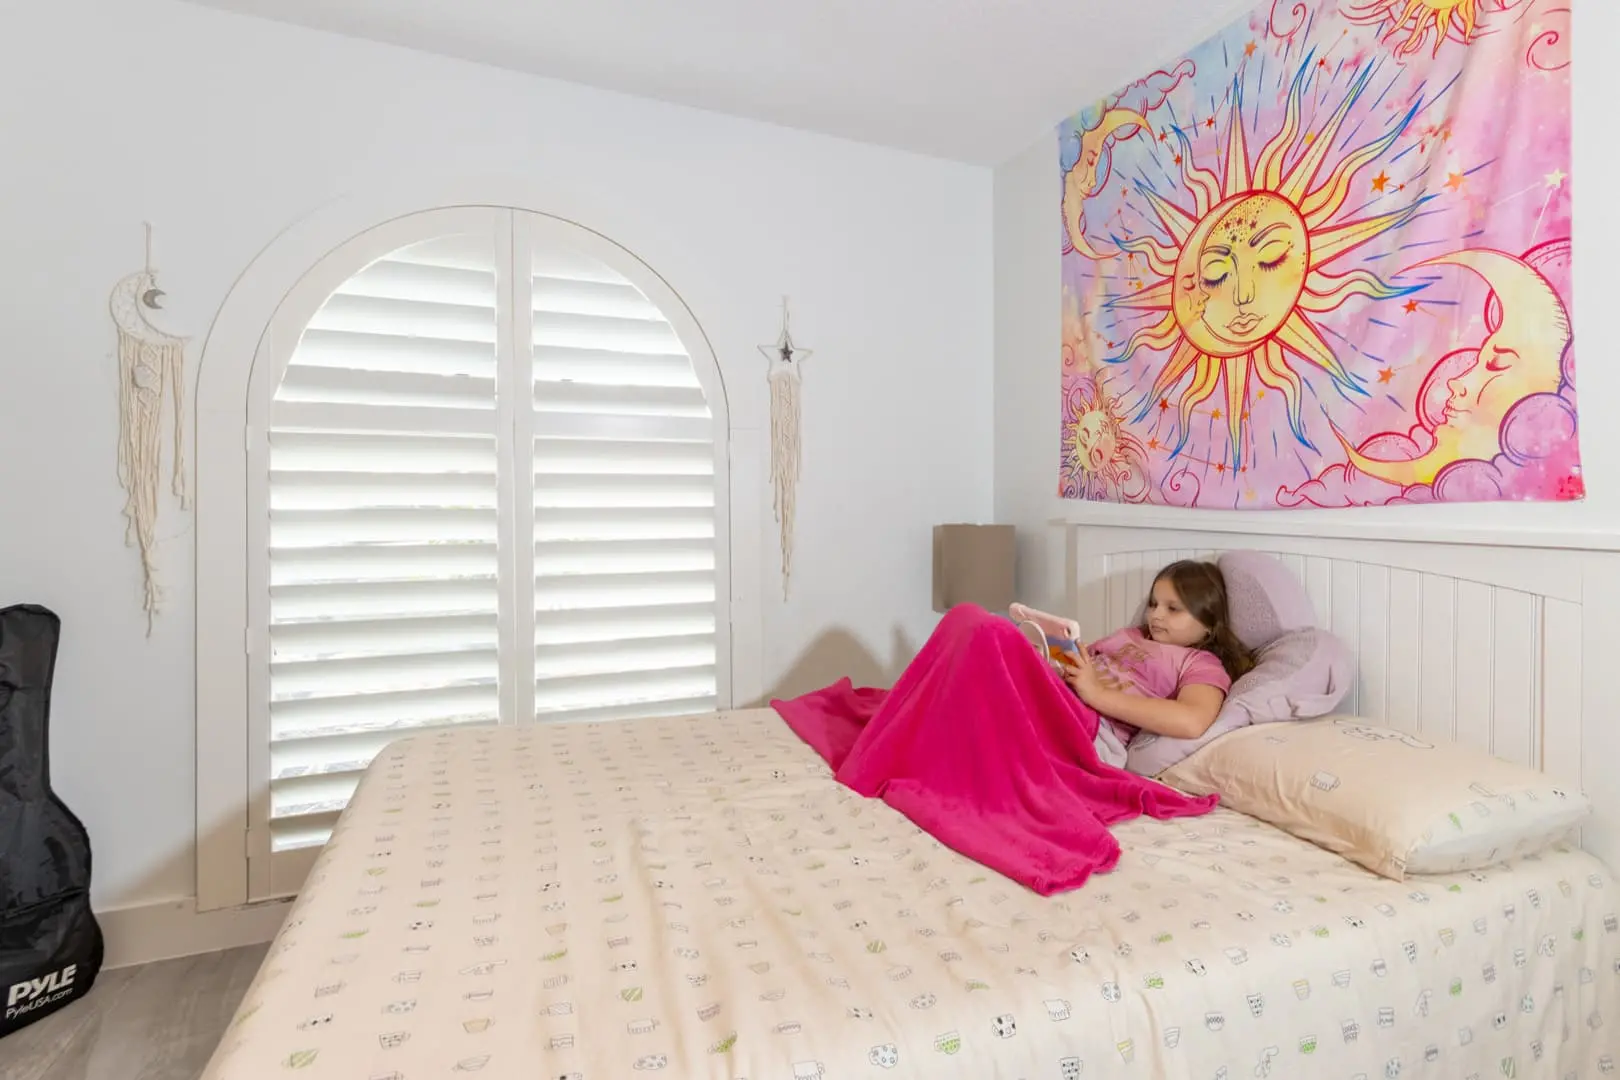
(974, 564)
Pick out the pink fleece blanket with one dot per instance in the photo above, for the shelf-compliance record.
(983, 746)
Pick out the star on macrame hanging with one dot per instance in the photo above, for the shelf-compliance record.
(785, 360)
(151, 362)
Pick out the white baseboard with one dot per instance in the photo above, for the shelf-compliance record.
(174, 928)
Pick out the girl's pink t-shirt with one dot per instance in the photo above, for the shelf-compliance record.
(1154, 669)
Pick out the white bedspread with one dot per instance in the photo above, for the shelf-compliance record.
(696, 898)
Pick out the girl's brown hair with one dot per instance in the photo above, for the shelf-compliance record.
(1202, 589)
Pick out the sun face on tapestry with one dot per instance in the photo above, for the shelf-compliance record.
(1323, 260)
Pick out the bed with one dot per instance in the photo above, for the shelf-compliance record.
(696, 897)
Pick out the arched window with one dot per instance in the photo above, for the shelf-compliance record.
(485, 483)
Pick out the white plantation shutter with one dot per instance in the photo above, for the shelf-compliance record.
(383, 459)
(624, 502)
(485, 486)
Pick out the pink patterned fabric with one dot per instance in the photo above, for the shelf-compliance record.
(1154, 669)
(982, 745)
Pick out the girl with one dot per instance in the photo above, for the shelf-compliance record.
(980, 745)
(1170, 675)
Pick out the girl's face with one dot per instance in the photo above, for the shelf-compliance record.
(1168, 619)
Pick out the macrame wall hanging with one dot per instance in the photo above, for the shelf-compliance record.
(785, 360)
(151, 363)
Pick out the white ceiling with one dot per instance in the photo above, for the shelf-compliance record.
(973, 80)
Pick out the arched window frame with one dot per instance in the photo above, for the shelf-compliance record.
(247, 349)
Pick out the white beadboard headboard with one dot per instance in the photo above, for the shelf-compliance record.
(1500, 647)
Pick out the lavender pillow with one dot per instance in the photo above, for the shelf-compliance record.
(1301, 674)
(1264, 597)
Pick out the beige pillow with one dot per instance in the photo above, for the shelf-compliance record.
(1390, 801)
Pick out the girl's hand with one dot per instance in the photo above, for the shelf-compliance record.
(1083, 678)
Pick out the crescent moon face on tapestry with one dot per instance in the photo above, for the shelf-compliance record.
(1090, 172)
(1521, 357)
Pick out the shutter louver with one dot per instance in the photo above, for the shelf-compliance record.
(383, 455)
(624, 503)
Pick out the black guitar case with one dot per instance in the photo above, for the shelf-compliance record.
(50, 943)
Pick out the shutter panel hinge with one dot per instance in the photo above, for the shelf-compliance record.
(247, 640)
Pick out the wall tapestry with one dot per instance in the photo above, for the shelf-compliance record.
(1324, 260)
(151, 363)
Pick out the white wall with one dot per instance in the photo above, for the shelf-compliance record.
(1027, 298)
(222, 131)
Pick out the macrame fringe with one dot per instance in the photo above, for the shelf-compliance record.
(785, 451)
(145, 369)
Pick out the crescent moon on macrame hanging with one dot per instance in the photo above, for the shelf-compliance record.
(785, 360)
(151, 364)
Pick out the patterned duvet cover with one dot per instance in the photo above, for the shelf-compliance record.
(697, 898)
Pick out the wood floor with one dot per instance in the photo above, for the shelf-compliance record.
(154, 1022)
